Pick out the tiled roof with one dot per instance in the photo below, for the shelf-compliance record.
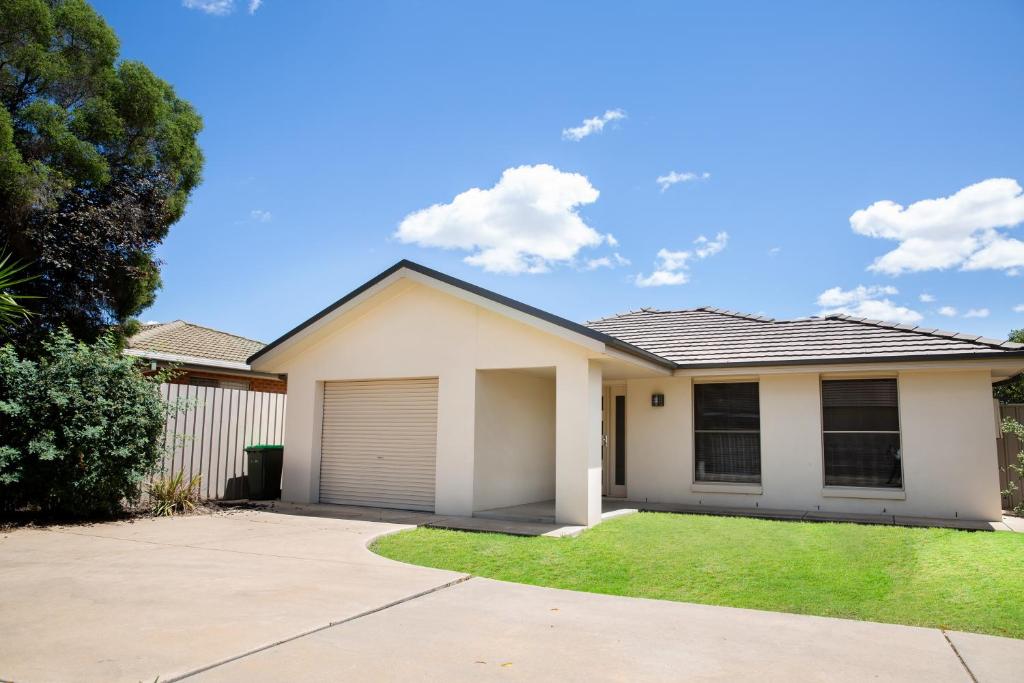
(714, 337)
(180, 338)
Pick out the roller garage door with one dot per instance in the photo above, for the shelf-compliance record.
(379, 443)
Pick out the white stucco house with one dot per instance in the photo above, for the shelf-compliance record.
(421, 391)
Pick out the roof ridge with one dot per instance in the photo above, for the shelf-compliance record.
(927, 331)
(645, 309)
(147, 332)
(230, 334)
(642, 309)
(710, 309)
(739, 314)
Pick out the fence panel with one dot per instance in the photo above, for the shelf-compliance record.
(208, 432)
(1008, 446)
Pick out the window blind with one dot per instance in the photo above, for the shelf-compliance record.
(860, 420)
(727, 438)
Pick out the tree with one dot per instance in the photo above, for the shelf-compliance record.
(80, 427)
(1012, 392)
(97, 161)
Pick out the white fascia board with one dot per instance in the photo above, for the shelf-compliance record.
(1009, 366)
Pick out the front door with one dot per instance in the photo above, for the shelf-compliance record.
(613, 433)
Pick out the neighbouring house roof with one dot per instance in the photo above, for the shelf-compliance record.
(712, 337)
(186, 342)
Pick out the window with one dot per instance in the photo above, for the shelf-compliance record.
(219, 383)
(620, 440)
(727, 432)
(861, 424)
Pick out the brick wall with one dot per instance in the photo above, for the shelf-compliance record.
(275, 386)
(272, 385)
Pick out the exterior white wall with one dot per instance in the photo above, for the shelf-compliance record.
(412, 330)
(947, 434)
(949, 444)
(515, 439)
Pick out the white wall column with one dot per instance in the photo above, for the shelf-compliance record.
(300, 480)
(456, 427)
(578, 443)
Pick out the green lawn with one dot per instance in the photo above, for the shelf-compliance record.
(968, 581)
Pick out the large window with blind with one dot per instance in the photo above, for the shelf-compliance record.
(727, 432)
(861, 424)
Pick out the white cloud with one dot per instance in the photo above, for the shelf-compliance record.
(671, 267)
(926, 298)
(261, 216)
(661, 277)
(217, 7)
(865, 302)
(592, 125)
(526, 223)
(254, 5)
(959, 230)
(612, 261)
(706, 247)
(775, 251)
(672, 177)
(977, 313)
(837, 296)
(947, 311)
(1019, 308)
(997, 254)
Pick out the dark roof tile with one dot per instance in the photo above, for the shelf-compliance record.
(713, 336)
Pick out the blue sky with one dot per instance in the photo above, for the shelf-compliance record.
(329, 125)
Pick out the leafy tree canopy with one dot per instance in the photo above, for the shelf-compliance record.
(1012, 392)
(97, 160)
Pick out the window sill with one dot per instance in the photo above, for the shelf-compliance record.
(748, 489)
(858, 492)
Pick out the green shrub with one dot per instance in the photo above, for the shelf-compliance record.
(169, 495)
(80, 428)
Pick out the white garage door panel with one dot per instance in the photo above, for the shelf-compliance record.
(379, 443)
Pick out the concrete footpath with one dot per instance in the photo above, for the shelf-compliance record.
(262, 596)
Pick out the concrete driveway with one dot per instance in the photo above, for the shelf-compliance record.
(262, 596)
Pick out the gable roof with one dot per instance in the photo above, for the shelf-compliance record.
(589, 332)
(181, 340)
(712, 337)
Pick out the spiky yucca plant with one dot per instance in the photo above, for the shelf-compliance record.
(171, 495)
(11, 307)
